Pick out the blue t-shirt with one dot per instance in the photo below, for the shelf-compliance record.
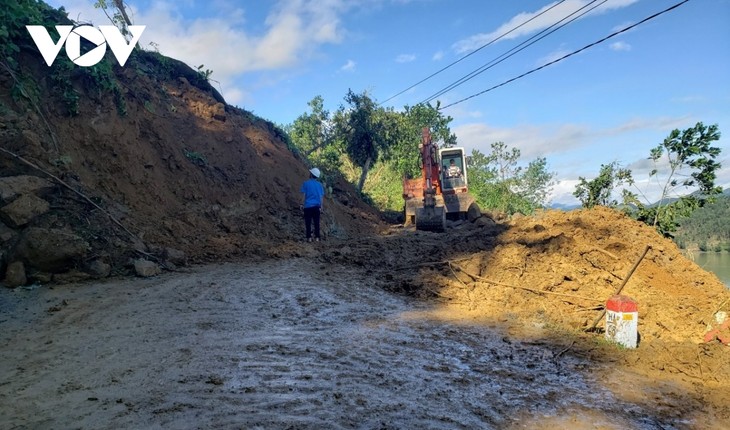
(313, 193)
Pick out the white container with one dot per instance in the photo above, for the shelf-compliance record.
(622, 321)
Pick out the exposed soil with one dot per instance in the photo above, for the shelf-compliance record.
(376, 327)
(311, 343)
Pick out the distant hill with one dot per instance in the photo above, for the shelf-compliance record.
(564, 207)
(708, 228)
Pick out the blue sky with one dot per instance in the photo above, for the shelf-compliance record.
(612, 102)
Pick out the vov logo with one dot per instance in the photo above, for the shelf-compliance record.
(71, 36)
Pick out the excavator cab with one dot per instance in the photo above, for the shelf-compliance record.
(453, 169)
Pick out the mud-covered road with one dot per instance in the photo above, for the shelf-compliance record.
(290, 344)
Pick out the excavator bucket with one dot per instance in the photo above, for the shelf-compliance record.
(431, 218)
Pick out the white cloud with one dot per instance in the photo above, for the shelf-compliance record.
(292, 32)
(555, 55)
(438, 56)
(557, 13)
(405, 58)
(348, 67)
(620, 46)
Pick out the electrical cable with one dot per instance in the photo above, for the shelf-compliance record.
(504, 56)
(568, 55)
(472, 52)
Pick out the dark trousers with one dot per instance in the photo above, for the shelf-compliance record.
(311, 215)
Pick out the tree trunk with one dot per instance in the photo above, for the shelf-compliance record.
(120, 6)
(364, 174)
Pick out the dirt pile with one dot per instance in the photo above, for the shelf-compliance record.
(550, 275)
(177, 176)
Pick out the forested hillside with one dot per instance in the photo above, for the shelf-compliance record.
(708, 229)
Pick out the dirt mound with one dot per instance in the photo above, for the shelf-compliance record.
(177, 171)
(550, 276)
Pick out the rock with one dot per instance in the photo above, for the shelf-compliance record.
(40, 277)
(473, 213)
(218, 112)
(23, 209)
(99, 269)
(50, 250)
(13, 186)
(15, 274)
(175, 256)
(6, 234)
(485, 222)
(145, 268)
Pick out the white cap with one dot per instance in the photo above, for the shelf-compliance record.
(315, 171)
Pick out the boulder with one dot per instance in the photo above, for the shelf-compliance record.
(13, 186)
(50, 250)
(15, 274)
(174, 256)
(146, 268)
(98, 269)
(23, 209)
(6, 234)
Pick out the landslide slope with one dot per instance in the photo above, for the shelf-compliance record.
(145, 160)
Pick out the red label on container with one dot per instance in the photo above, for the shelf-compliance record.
(622, 304)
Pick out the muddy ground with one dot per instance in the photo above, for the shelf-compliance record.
(380, 332)
(376, 327)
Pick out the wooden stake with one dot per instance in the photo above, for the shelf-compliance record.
(623, 284)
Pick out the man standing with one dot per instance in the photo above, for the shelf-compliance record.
(312, 206)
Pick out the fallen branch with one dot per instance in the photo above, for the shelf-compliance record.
(532, 290)
(565, 350)
(603, 251)
(69, 187)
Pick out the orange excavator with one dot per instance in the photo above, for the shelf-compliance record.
(442, 192)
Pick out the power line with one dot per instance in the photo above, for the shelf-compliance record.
(522, 46)
(568, 55)
(472, 52)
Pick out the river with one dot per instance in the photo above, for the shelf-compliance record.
(715, 262)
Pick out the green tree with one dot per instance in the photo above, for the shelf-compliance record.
(118, 17)
(687, 160)
(536, 183)
(599, 190)
(497, 182)
(312, 135)
(404, 153)
(366, 131)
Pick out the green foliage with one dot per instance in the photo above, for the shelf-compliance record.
(709, 224)
(384, 185)
(403, 153)
(14, 16)
(599, 190)
(498, 183)
(366, 131)
(205, 74)
(685, 159)
(118, 16)
(61, 75)
(312, 136)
